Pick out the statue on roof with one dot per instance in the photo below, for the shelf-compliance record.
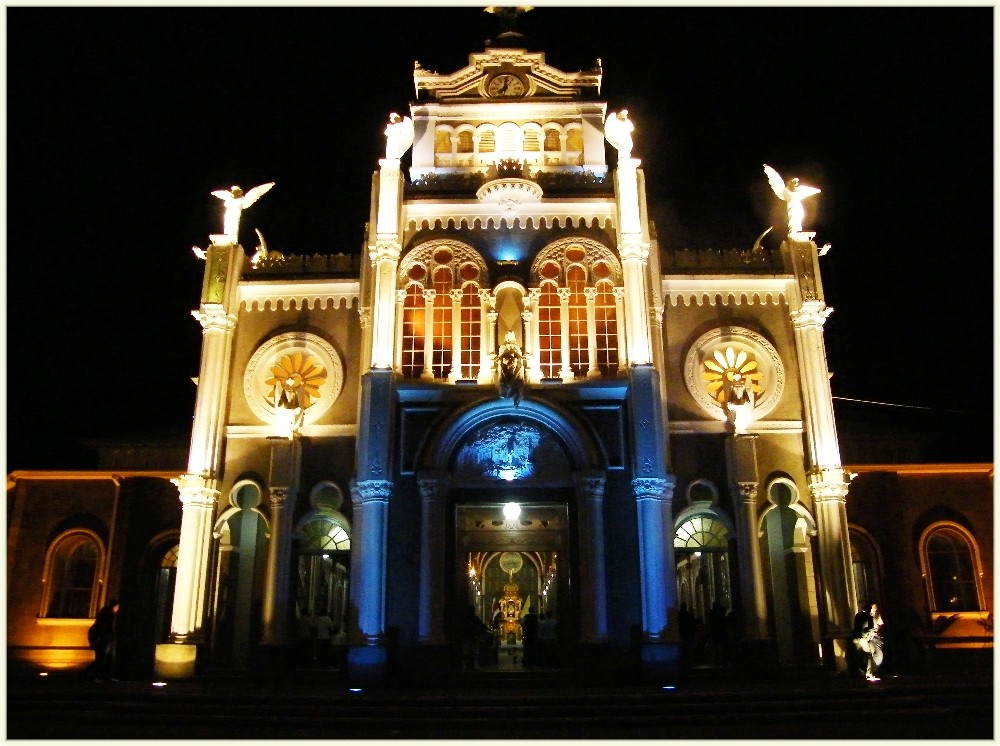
(508, 14)
(618, 131)
(792, 193)
(236, 201)
(398, 136)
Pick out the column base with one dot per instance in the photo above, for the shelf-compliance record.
(366, 665)
(661, 663)
(175, 661)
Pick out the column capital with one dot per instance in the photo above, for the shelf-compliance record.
(828, 484)
(486, 296)
(619, 292)
(384, 249)
(368, 491)
(812, 313)
(590, 483)
(658, 489)
(633, 247)
(747, 491)
(195, 491)
(590, 294)
(534, 294)
(564, 294)
(278, 495)
(429, 295)
(432, 484)
(213, 318)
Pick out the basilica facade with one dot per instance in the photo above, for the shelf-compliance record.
(514, 402)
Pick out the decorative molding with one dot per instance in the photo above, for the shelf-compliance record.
(299, 295)
(237, 432)
(421, 216)
(711, 290)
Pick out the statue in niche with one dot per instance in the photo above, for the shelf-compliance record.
(288, 406)
(739, 405)
(398, 136)
(618, 131)
(510, 370)
(792, 193)
(236, 202)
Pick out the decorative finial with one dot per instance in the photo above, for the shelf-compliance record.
(618, 131)
(508, 15)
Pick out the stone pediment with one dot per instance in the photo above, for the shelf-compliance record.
(503, 74)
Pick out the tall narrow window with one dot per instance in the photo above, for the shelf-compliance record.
(441, 363)
(576, 280)
(607, 330)
(414, 329)
(73, 576)
(471, 329)
(549, 331)
(865, 568)
(950, 561)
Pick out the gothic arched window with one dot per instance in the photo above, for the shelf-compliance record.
(949, 558)
(72, 575)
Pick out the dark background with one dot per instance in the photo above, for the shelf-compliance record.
(121, 121)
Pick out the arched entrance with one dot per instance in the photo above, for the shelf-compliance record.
(539, 457)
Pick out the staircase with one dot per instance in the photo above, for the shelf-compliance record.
(531, 706)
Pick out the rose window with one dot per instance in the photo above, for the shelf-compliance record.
(730, 368)
(299, 376)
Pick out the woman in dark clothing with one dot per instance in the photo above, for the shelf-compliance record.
(101, 637)
(868, 639)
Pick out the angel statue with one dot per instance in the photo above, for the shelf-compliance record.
(236, 202)
(792, 193)
(618, 131)
(398, 136)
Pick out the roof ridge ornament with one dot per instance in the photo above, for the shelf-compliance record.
(509, 35)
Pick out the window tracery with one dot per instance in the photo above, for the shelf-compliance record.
(548, 144)
(72, 575)
(952, 570)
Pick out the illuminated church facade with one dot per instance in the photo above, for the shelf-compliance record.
(515, 400)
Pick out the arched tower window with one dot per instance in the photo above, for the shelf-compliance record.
(577, 311)
(949, 558)
(72, 575)
(440, 334)
(865, 566)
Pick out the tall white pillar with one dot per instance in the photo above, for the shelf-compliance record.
(828, 484)
(487, 321)
(286, 458)
(198, 502)
(430, 616)
(398, 347)
(620, 330)
(368, 554)
(593, 587)
(456, 335)
(634, 251)
(384, 256)
(592, 370)
(428, 372)
(565, 372)
(535, 360)
(657, 573)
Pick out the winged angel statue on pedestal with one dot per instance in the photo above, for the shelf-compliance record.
(792, 193)
(618, 131)
(236, 201)
(398, 136)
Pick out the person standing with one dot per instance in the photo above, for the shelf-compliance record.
(547, 639)
(101, 637)
(868, 639)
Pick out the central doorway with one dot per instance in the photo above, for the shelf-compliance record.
(513, 561)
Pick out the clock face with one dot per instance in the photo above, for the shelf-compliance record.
(505, 85)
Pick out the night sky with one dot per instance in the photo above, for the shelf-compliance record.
(121, 121)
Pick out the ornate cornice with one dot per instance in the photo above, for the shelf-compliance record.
(300, 295)
(811, 314)
(726, 291)
(213, 318)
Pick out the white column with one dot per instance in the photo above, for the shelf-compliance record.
(487, 321)
(634, 251)
(536, 359)
(620, 330)
(565, 372)
(368, 544)
(593, 588)
(198, 501)
(456, 336)
(430, 615)
(827, 481)
(398, 346)
(428, 372)
(275, 606)
(384, 256)
(592, 370)
(657, 574)
(751, 566)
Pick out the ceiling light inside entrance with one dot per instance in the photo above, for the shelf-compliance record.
(511, 511)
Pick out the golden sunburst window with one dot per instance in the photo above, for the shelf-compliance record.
(732, 367)
(299, 376)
